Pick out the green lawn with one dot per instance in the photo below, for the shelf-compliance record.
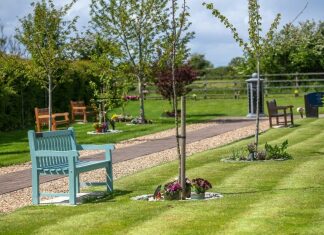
(14, 146)
(272, 197)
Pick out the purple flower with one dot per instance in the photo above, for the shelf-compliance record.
(201, 185)
(172, 187)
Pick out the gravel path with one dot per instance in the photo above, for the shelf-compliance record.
(21, 198)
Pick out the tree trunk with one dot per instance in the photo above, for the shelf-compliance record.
(141, 79)
(175, 99)
(22, 107)
(49, 102)
(183, 148)
(141, 99)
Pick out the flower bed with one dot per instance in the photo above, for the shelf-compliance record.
(270, 152)
(150, 197)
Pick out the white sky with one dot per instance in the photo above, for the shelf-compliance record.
(212, 38)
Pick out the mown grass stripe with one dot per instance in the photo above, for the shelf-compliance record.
(260, 197)
(267, 214)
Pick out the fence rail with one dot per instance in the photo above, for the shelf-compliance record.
(235, 86)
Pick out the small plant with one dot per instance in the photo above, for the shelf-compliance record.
(251, 147)
(121, 118)
(262, 155)
(115, 118)
(277, 152)
(172, 190)
(252, 151)
(97, 125)
(200, 185)
(188, 188)
(237, 155)
(100, 127)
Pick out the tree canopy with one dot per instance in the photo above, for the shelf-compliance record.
(136, 27)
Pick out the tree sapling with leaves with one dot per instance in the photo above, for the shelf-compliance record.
(46, 36)
(256, 45)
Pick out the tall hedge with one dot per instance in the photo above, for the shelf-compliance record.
(19, 94)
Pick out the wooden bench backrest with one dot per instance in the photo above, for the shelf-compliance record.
(62, 140)
(41, 112)
(77, 104)
(272, 107)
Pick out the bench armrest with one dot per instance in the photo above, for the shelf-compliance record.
(60, 115)
(107, 147)
(285, 107)
(95, 147)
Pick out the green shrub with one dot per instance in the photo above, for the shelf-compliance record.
(277, 152)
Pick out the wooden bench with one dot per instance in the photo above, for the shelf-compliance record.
(42, 116)
(78, 108)
(277, 112)
(56, 153)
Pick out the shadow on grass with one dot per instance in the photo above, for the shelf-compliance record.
(14, 152)
(14, 136)
(105, 196)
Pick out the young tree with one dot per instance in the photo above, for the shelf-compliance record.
(136, 27)
(173, 50)
(46, 36)
(184, 76)
(178, 39)
(112, 80)
(256, 45)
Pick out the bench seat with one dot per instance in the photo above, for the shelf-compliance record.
(80, 166)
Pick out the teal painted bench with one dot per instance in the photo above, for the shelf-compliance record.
(56, 153)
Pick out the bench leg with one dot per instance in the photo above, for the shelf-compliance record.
(85, 117)
(109, 178)
(35, 188)
(38, 126)
(77, 183)
(72, 188)
(270, 121)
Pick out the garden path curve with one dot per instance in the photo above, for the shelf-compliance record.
(22, 179)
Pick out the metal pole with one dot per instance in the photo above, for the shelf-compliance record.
(183, 147)
(257, 107)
